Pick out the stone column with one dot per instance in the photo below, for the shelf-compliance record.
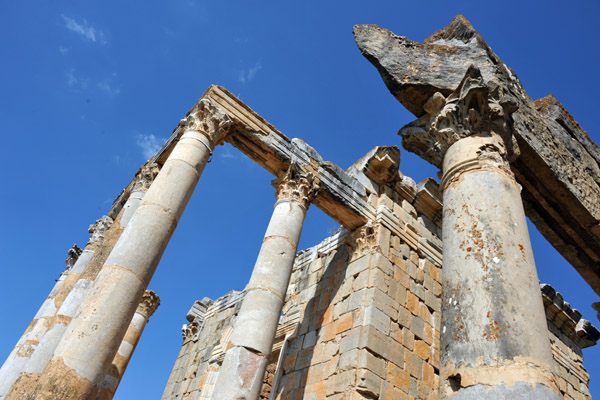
(494, 333)
(28, 347)
(81, 276)
(242, 373)
(148, 305)
(85, 353)
(14, 364)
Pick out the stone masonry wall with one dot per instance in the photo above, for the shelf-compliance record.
(362, 314)
(204, 344)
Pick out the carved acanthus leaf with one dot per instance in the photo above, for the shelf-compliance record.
(149, 304)
(210, 120)
(297, 185)
(145, 176)
(189, 331)
(362, 240)
(474, 108)
(98, 230)
(72, 256)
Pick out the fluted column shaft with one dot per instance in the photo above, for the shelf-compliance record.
(88, 347)
(149, 304)
(242, 373)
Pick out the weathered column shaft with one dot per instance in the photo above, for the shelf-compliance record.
(242, 373)
(85, 353)
(84, 279)
(494, 330)
(78, 280)
(495, 341)
(149, 304)
(29, 349)
(19, 356)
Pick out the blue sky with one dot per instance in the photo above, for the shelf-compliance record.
(90, 89)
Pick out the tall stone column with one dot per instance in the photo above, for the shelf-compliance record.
(495, 341)
(28, 347)
(86, 350)
(242, 373)
(14, 364)
(82, 278)
(148, 305)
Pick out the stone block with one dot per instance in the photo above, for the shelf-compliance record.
(310, 339)
(429, 375)
(348, 360)
(408, 339)
(417, 326)
(381, 345)
(398, 377)
(412, 303)
(376, 318)
(316, 391)
(304, 358)
(350, 341)
(404, 317)
(368, 383)
(414, 365)
(342, 382)
(422, 350)
(378, 279)
(368, 360)
(358, 265)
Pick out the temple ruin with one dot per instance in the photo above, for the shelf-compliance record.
(426, 291)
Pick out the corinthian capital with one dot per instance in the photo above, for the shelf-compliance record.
(474, 108)
(145, 176)
(297, 185)
(149, 304)
(98, 229)
(208, 119)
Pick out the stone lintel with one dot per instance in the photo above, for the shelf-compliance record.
(340, 196)
(558, 164)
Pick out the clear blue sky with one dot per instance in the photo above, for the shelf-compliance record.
(89, 89)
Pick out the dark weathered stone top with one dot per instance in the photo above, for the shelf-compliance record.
(559, 165)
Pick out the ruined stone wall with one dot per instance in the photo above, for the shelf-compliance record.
(362, 314)
(569, 334)
(204, 343)
(369, 311)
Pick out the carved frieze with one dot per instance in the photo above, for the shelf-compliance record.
(474, 108)
(208, 119)
(297, 185)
